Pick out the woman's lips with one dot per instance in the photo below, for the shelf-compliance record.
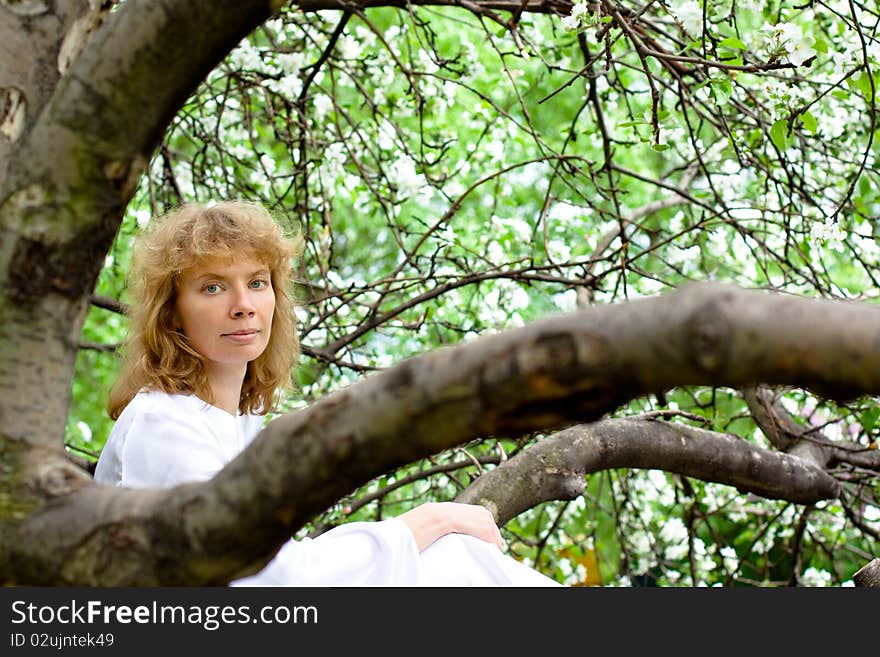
(243, 336)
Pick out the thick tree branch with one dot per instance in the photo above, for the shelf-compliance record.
(556, 467)
(540, 377)
(868, 575)
(476, 6)
(30, 43)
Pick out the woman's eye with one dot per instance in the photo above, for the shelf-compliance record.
(259, 284)
(213, 288)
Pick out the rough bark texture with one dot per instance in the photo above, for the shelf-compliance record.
(869, 575)
(30, 42)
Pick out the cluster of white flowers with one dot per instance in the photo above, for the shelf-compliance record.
(572, 573)
(365, 37)
(641, 544)
(765, 542)
(323, 105)
(405, 178)
(288, 86)
(516, 227)
(335, 156)
(143, 217)
(443, 92)
(499, 305)
(815, 577)
(790, 41)
(183, 176)
(830, 233)
(246, 57)
(268, 163)
(427, 63)
(729, 559)
(558, 251)
(675, 535)
(495, 150)
(690, 14)
(348, 47)
(579, 12)
(566, 212)
(290, 63)
(566, 301)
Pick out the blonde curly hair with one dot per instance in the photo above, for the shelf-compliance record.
(157, 355)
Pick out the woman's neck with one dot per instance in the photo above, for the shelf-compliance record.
(225, 384)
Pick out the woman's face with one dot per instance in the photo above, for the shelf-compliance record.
(225, 309)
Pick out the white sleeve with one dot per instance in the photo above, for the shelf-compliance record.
(162, 451)
(355, 554)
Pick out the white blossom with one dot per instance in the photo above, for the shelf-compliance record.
(566, 301)
(690, 14)
(674, 531)
(289, 86)
(570, 23)
(323, 104)
(143, 218)
(405, 177)
(348, 47)
(815, 577)
(495, 148)
(85, 430)
(729, 558)
(579, 10)
(829, 232)
(798, 45)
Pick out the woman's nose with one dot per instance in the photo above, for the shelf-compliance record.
(242, 305)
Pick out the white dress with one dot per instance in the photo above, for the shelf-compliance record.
(162, 440)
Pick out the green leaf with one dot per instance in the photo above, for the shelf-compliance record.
(863, 82)
(779, 134)
(660, 147)
(809, 122)
(732, 42)
(869, 418)
(721, 91)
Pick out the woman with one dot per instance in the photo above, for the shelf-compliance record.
(211, 342)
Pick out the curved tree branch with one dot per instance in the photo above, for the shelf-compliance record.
(556, 467)
(540, 377)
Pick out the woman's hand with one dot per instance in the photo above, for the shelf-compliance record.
(430, 521)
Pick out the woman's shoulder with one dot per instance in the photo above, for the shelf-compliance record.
(161, 403)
